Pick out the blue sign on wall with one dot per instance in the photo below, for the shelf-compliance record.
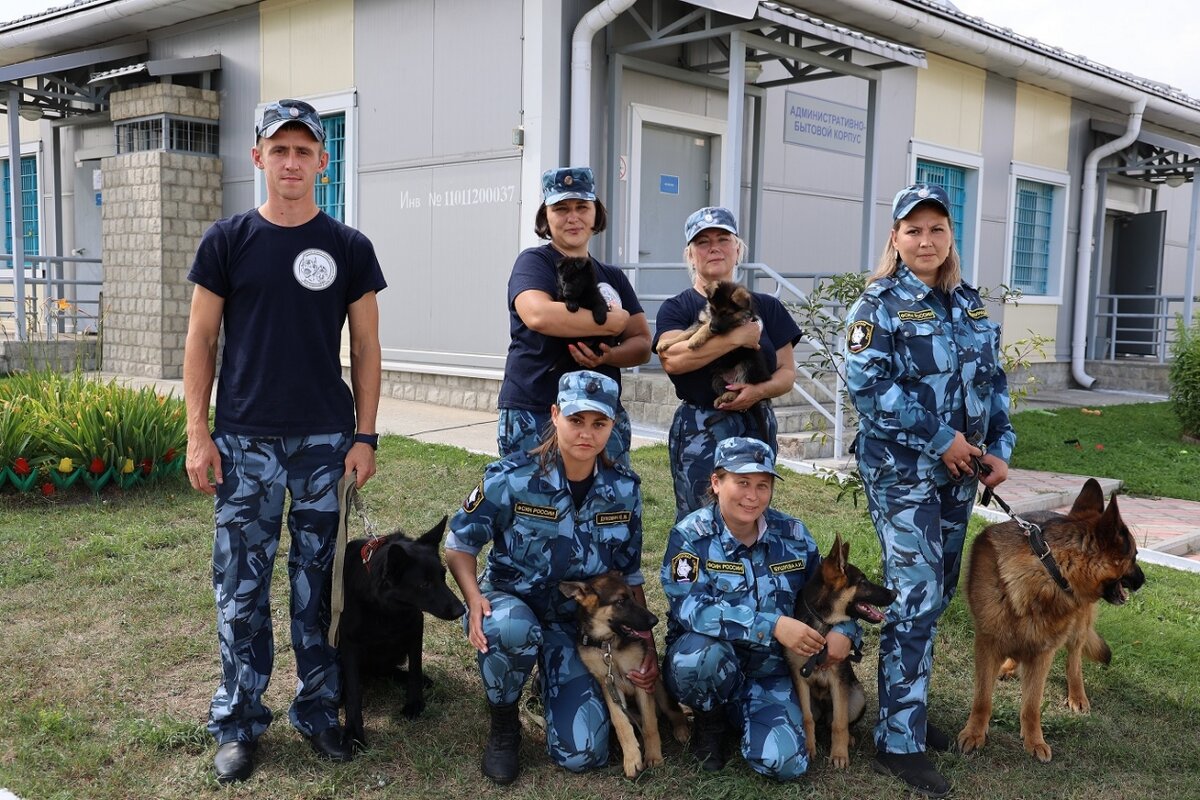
(668, 184)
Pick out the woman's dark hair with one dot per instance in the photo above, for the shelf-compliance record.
(542, 227)
(546, 452)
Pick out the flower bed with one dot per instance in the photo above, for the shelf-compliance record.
(62, 432)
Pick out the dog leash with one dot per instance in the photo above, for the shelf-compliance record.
(1032, 533)
(348, 498)
(818, 658)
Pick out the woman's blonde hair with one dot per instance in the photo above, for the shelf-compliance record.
(742, 249)
(949, 273)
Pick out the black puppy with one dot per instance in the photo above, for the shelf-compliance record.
(578, 288)
(389, 582)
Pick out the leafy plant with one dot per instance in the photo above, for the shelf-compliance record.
(1185, 377)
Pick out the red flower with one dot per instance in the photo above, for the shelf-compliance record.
(147, 465)
(21, 467)
(1099, 447)
(47, 489)
(170, 456)
(97, 466)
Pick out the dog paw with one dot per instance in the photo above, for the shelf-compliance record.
(839, 760)
(1039, 750)
(632, 768)
(654, 760)
(682, 733)
(1079, 705)
(727, 397)
(1007, 669)
(970, 740)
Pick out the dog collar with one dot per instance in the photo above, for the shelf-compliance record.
(368, 549)
(1034, 536)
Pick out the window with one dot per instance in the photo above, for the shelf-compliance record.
(959, 173)
(183, 135)
(29, 207)
(954, 181)
(331, 184)
(1036, 231)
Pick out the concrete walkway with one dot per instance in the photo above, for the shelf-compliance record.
(1167, 530)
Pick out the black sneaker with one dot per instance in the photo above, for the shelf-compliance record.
(915, 769)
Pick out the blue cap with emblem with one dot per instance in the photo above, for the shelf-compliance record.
(742, 455)
(910, 197)
(568, 183)
(709, 217)
(280, 113)
(588, 391)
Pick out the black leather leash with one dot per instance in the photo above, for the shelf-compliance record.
(1032, 533)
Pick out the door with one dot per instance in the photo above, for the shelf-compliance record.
(674, 175)
(86, 206)
(1137, 259)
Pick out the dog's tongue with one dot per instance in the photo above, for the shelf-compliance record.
(647, 635)
(869, 612)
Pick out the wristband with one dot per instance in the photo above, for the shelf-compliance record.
(367, 438)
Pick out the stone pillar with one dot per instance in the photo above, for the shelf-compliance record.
(156, 206)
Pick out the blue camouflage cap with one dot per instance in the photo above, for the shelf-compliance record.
(568, 183)
(709, 217)
(910, 197)
(742, 455)
(281, 112)
(588, 391)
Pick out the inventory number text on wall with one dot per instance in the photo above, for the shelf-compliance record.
(450, 198)
(824, 124)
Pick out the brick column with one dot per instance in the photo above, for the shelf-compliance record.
(156, 206)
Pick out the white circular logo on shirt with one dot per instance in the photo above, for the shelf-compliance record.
(609, 294)
(315, 269)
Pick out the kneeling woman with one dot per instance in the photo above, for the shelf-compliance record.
(560, 512)
(732, 572)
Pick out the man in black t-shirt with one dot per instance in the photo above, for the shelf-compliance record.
(283, 279)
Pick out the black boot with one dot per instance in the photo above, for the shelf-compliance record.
(504, 740)
(915, 769)
(706, 738)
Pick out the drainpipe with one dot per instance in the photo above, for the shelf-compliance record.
(1087, 219)
(581, 76)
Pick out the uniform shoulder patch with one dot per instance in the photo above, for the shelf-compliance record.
(977, 313)
(858, 337)
(538, 512)
(474, 498)
(613, 517)
(684, 567)
(916, 316)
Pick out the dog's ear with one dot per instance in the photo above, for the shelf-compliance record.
(433, 537)
(1110, 523)
(573, 589)
(839, 554)
(1091, 499)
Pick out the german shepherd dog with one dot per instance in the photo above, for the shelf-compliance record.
(729, 306)
(613, 632)
(838, 592)
(1022, 615)
(390, 583)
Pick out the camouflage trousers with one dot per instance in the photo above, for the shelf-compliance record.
(258, 472)
(704, 672)
(520, 430)
(577, 726)
(695, 432)
(921, 527)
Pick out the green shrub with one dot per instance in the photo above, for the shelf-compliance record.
(1185, 377)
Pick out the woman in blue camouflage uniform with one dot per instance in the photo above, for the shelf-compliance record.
(924, 372)
(561, 512)
(547, 339)
(732, 572)
(713, 251)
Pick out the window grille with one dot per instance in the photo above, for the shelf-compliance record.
(954, 181)
(331, 184)
(167, 132)
(1034, 217)
(29, 207)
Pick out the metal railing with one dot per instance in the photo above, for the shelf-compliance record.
(47, 302)
(1137, 325)
(759, 277)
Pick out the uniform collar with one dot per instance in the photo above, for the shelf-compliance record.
(730, 542)
(555, 481)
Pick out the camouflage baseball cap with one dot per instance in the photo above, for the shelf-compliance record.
(742, 455)
(709, 217)
(910, 197)
(568, 183)
(280, 113)
(588, 391)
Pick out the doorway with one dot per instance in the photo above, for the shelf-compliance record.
(1136, 269)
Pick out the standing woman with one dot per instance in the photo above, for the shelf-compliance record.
(547, 340)
(732, 572)
(713, 249)
(924, 372)
(560, 512)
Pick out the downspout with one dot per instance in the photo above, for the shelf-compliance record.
(1087, 219)
(581, 76)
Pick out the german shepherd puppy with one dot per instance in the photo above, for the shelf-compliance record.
(729, 306)
(578, 288)
(390, 583)
(838, 592)
(1021, 614)
(613, 632)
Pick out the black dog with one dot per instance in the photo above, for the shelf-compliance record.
(837, 592)
(578, 288)
(389, 582)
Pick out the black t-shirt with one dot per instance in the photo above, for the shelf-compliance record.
(536, 361)
(679, 312)
(286, 293)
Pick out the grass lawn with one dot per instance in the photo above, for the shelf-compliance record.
(1140, 444)
(109, 661)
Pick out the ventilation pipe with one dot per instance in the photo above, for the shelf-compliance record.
(1087, 220)
(581, 76)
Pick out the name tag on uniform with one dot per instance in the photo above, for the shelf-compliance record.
(917, 316)
(613, 517)
(787, 566)
(539, 512)
(977, 313)
(728, 567)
